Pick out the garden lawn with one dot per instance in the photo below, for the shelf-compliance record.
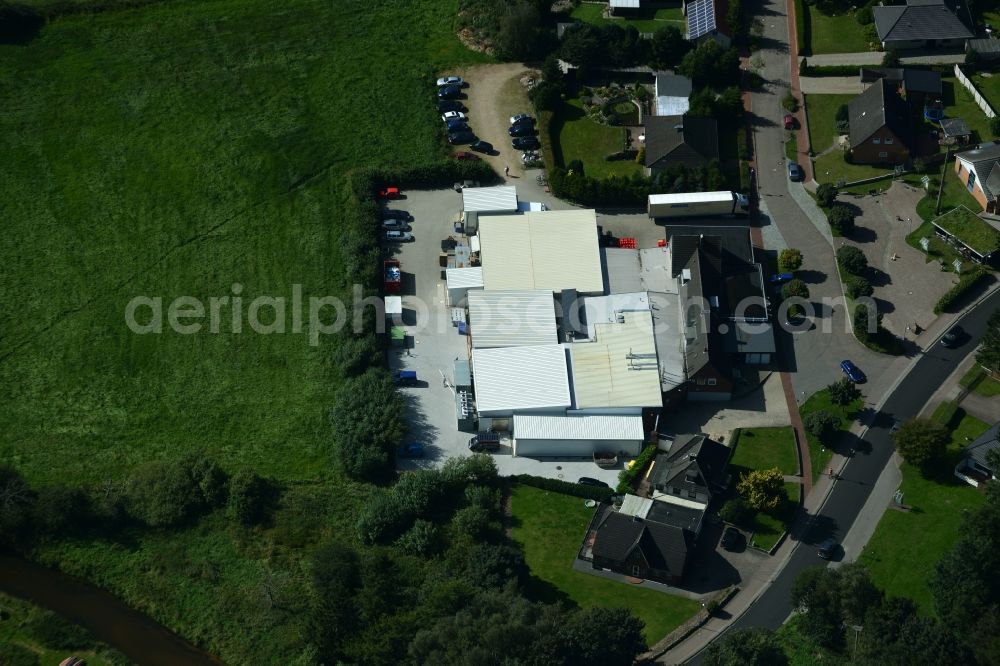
(764, 448)
(821, 114)
(768, 527)
(832, 168)
(836, 34)
(551, 527)
(178, 149)
(820, 454)
(979, 382)
(593, 12)
(905, 547)
(577, 137)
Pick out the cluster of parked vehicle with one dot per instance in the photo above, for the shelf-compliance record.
(523, 133)
(395, 223)
(453, 115)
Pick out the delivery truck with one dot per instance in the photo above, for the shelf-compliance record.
(691, 204)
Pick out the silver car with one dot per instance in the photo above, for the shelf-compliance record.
(398, 236)
(398, 225)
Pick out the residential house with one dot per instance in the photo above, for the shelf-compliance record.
(974, 468)
(879, 126)
(923, 24)
(671, 140)
(672, 92)
(647, 539)
(706, 19)
(978, 170)
(914, 85)
(694, 469)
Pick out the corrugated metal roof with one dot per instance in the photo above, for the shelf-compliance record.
(520, 378)
(512, 318)
(633, 505)
(500, 199)
(464, 278)
(620, 368)
(552, 250)
(588, 427)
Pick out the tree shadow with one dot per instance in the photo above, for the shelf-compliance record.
(883, 306)
(811, 276)
(19, 25)
(877, 277)
(863, 235)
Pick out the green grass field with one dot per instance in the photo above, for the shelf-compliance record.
(821, 113)
(979, 382)
(593, 12)
(764, 448)
(174, 150)
(551, 527)
(580, 138)
(905, 547)
(836, 34)
(819, 454)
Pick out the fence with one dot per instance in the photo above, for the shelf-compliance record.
(976, 95)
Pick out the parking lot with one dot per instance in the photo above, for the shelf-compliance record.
(433, 343)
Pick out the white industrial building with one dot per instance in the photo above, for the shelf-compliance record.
(577, 435)
(553, 250)
(511, 380)
(512, 318)
(487, 200)
(460, 280)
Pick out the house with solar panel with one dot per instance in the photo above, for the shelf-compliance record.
(706, 19)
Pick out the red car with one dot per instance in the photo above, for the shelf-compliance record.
(789, 121)
(389, 193)
(465, 155)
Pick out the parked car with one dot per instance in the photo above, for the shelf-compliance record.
(482, 147)
(449, 92)
(405, 377)
(485, 441)
(461, 136)
(464, 155)
(795, 173)
(953, 337)
(525, 143)
(895, 426)
(780, 278)
(521, 118)
(446, 105)
(390, 214)
(587, 481)
(731, 538)
(450, 81)
(522, 130)
(853, 372)
(457, 126)
(449, 115)
(398, 225)
(389, 193)
(828, 549)
(411, 450)
(789, 121)
(398, 236)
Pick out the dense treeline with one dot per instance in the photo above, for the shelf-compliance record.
(633, 191)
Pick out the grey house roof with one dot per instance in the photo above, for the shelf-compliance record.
(681, 140)
(695, 463)
(664, 547)
(984, 443)
(674, 85)
(918, 20)
(875, 108)
(955, 126)
(983, 161)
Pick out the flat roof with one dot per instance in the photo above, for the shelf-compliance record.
(667, 332)
(393, 305)
(512, 318)
(619, 368)
(690, 197)
(508, 379)
(970, 230)
(669, 105)
(554, 250)
(635, 506)
(499, 199)
(622, 267)
(606, 309)
(585, 427)
(654, 270)
(459, 278)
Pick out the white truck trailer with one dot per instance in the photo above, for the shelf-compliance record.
(690, 204)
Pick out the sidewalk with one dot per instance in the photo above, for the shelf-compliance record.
(875, 58)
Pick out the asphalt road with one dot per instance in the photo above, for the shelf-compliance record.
(858, 477)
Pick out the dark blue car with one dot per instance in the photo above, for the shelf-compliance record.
(412, 450)
(780, 278)
(853, 372)
(449, 92)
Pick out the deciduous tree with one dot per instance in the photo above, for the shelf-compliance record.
(826, 193)
(852, 259)
(821, 424)
(746, 647)
(763, 489)
(789, 260)
(921, 442)
(843, 392)
(988, 354)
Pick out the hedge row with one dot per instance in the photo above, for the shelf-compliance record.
(628, 476)
(965, 283)
(803, 29)
(565, 487)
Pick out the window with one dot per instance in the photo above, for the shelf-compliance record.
(888, 142)
(883, 154)
(972, 180)
(635, 570)
(712, 381)
(876, 141)
(692, 494)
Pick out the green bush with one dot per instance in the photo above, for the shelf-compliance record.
(163, 494)
(249, 497)
(12, 654)
(789, 260)
(738, 512)
(856, 287)
(628, 476)
(965, 283)
(826, 193)
(841, 218)
(803, 29)
(789, 102)
(821, 423)
(565, 487)
(851, 259)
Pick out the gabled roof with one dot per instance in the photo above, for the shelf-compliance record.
(918, 20)
(681, 140)
(982, 161)
(955, 126)
(983, 444)
(664, 547)
(991, 187)
(875, 108)
(913, 80)
(695, 462)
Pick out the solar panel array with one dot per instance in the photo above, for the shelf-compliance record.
(700, 18)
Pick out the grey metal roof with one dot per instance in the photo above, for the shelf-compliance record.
(681, 140)
(579, 427)
(746, 338)
(512, 318)
(984, 45)
(983, 444)
(875, 108)
(499, 199)
(918, 20)
(985, 152)
(510, 379)
(622, 269)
